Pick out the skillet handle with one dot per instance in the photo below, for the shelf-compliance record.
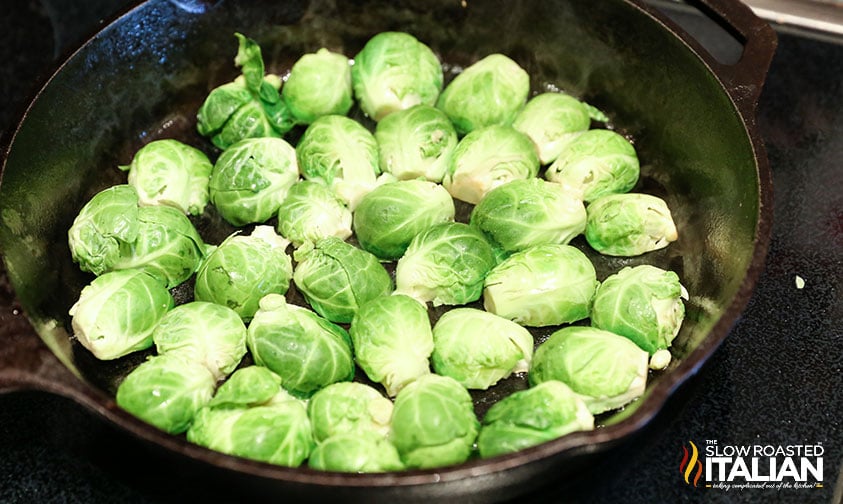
(744, 79)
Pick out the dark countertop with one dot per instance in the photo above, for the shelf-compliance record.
(777, 379)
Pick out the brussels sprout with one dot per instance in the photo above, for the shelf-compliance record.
(395, 71)
(251, 178)
(551, 120)
(489, 92)
(528, 212)
(307, 351)
(596, 163)
(433, 423)
(478, 348)
(167, 246)
(348, 408)
(387, 219)
(340, 153)
(311, 211)
(112, 232)
(336, 277)
(169, 172)
(489, 157)
(530, 417)
(445, 264)
(542, 286)
(243, 269)
(629, 224)
(607, 370)
(167, 391)
(277, 433)
(208, 333)
(416, 143)
(392, 340)
(355, 453)
(248, 107)
(117, 312)
(319, 84)
(642, 303)
(107, 220)
(250, 386)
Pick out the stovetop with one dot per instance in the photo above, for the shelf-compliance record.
(777, 379)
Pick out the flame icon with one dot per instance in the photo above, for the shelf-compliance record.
(691, 464)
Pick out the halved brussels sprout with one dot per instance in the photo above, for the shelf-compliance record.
(208, 333)
(167, 391)
(445, 264)
(489, 92)
(542, 286)
(551, 120)
(433, 423)
(312, 211)
(355, 453)
(251, 178)
(248, 107)
(530, 417)
(339, 152)
(107, 220)
(607, 370)
(348, 408)
(243, 269)
(478, 348)
(629, 224)
(392, 340)
(389, 217)
(277, 433)
(307, 351)
(250, 386)
(117, 312)
(395, 71)
(642, 303)
(169, 172)
(596, 163)
(319, 84)
(167, 246)
(487, 158)
(417, 142)
(336, 278)
(528, 212)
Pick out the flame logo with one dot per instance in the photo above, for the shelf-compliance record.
(691, 464)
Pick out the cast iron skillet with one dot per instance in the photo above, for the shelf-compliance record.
(144, 76)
